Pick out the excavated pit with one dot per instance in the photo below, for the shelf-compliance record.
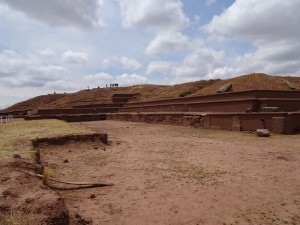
(24, 197)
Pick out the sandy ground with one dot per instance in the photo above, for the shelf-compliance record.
(176, 175)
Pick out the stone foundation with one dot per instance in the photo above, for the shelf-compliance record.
(287, 124)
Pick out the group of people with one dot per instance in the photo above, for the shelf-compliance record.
(113, 85)
(110, 85)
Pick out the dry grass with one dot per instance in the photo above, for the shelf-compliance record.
(14, 218)
(257, 81)
(16, 135)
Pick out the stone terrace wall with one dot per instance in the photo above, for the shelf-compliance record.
(223, 121)
(69, 118)
(112, 105)
(223, 96)
(231, 105)
(74, 111)
(240, 105)
(284, 104)
(122, 98)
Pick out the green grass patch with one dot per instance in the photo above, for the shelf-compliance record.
(16, 135)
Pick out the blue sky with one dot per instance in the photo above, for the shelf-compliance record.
(67, 45)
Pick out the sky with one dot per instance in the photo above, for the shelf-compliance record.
(49, 46)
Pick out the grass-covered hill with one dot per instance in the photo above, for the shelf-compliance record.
(147, 92)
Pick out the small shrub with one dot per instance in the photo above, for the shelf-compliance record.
(186, 93)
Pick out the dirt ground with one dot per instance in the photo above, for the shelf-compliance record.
(176, 175)
(24, 200)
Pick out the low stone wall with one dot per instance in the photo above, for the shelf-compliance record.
(75, 111)
(295, 121)
(14, 113)
(222, 96)
(69, 118)
(223, 121)
(234, 105)
(238, 105)
(284, 104)
(111, 105)
(62, 140)
(122, 98)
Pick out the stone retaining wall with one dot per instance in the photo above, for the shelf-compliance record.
(234, 105)
(223, 96)
(75, 111)
(112, 105)
(69, 118)
(223, 121)
(62, 140)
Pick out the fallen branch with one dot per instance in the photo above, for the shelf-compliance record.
(77, 183)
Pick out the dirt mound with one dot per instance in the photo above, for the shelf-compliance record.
(104, 95)
(149, 92)
(34, 102)
(146, 92)
(25, 199)
(256, 81)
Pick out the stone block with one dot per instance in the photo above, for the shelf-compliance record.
(225, 88)
(236, 124)
(282, 125)
(263, 133)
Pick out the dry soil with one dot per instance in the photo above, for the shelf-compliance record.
(177, 175)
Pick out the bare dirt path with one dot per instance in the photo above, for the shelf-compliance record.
(176, 175)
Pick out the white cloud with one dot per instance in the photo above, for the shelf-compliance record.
(272, 28)
(130, 63)
(158, 67)
(49, 72)
(36, 76)
(26, 70)
(22, 81)
(130, 79)
(100, 79)
(74, 57)
(48, 52)
(61, 85)
(167, 42)
(210, 2)
(165, 17)
(14, 63)
(157, 14)
(200, 64)
(125, 62)
(280, 59)
(98, 76)
(259, 21)
(70, 13)
(106, 63)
